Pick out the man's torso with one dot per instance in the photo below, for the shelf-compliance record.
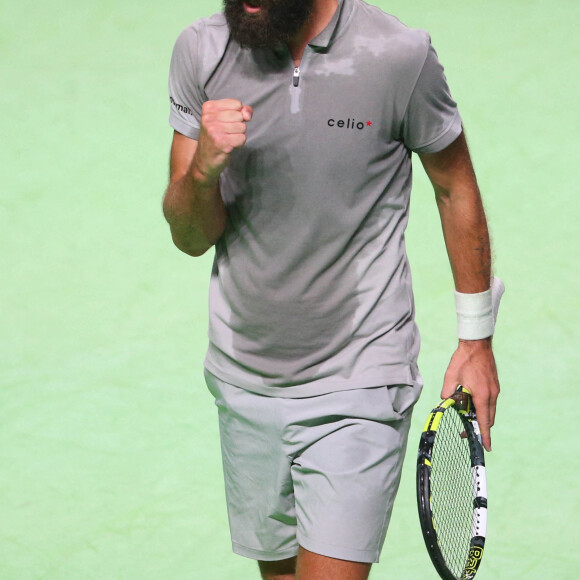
(311, 288)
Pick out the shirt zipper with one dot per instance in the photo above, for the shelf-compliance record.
(296, 77)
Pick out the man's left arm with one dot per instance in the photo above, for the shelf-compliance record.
(467, 241)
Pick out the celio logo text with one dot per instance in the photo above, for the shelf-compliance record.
(349, 124)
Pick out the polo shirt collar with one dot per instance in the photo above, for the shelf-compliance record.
(323, 39)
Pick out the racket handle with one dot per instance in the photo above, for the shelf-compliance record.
(462, 398)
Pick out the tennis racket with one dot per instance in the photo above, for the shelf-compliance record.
(451, 488)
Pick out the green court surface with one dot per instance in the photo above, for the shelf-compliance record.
(109, 452)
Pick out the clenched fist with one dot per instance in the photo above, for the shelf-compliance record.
(223, 129)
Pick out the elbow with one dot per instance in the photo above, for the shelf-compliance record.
(190, 249)
(185, 237)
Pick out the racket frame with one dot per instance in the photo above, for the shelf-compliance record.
(461, 403)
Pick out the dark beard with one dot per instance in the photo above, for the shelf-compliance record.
(278, 23)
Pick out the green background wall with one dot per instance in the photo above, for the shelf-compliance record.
(109, 453)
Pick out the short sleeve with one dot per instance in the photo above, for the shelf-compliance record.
(186, 97)
(431, 121)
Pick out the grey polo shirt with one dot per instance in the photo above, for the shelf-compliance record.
(311, 288)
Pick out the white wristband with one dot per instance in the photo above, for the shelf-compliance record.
(477, 313)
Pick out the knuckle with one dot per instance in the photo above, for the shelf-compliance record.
(208, 119)
(207, 107)
(235, 116)
(227, 116)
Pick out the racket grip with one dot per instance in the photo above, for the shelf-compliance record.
(462, 398)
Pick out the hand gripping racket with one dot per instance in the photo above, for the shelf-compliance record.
(451, 488)
(451, 482)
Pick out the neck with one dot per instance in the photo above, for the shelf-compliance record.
(322, 14)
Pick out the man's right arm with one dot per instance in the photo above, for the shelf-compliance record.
(192, 205)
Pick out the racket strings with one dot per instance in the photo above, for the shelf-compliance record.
(452, 492)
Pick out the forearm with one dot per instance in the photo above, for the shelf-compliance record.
(194, 209)
(467, 240)
(466, 236)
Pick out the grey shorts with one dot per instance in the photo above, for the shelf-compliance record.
(321, 472)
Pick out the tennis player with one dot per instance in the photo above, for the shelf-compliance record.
(294, 126)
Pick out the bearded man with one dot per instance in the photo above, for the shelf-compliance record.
(294, 125)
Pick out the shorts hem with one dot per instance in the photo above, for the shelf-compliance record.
(264, 555)
(339, 552)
